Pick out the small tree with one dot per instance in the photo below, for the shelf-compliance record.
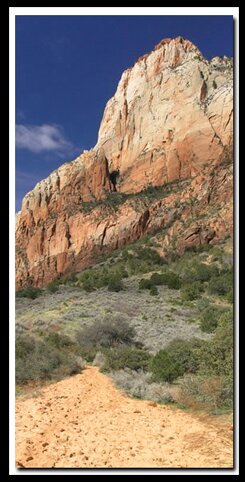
(176, 359)
(165, 368)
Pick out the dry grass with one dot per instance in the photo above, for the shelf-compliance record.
(71, 309)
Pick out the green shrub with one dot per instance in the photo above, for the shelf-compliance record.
(30, 292)
(157, 279)
(122, 272)
(186, 351)
(53, 286)
(226, 392)
(37, 363)
(38, 359)
(126, 357)
(206, 392)
(145, 284)
(88, 353)
(36, 366)
(212, 385)
(216, 355)
(192, 292)
(107, 334)
(70, 278)
(169, 278)
(150, 255)
(24, 345)
(190, 249)
(208, 325)
(176, 359)
(229, 296)
(142, 260)
(203, 303)
(115, 283)
(88, 279)
(69, 366)
(196, 271)
(205, 272)
(154, 291)
(210, 317)
(172, 280)
(172, 257)
(102, 276)
(201, 248)
(58, 340)
(221, 285)
(88, 285)
(126, 255)
(165, 368)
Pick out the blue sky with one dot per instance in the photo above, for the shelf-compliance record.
(67, 67)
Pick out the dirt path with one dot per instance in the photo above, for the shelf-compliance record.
(84, 421)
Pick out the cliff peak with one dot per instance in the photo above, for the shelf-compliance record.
(180, 42)
(169, 119)
(176, 49)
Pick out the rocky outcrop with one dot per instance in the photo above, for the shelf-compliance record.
(169, 121)
(85, 179)
(171, 115)
(196, 211)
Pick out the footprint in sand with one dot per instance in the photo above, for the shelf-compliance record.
(102, 430)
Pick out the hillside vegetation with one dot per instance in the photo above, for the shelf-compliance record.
(162, 328)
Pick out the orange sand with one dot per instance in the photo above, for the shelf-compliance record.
(85, 422)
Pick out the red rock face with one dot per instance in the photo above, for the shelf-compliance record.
(171, 118)
(171, 115)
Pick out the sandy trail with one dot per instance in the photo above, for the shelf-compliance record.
(85, 422)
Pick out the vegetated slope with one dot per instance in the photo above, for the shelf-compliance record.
(154, 326)
(169, 124)
(84, 422)
(161, 330)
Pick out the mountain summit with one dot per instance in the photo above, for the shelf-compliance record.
(162, 162)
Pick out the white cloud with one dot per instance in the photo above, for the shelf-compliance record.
(47, 137)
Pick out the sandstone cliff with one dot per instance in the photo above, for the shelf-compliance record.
(171, 114)
(170, 120)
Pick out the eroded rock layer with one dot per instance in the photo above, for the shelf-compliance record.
(170, 120)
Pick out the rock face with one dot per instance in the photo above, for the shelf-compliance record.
(171, 114)
(170, 120)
